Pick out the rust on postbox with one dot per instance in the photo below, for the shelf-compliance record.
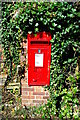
(39, 58)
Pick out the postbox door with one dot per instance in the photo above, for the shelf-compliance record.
(38, 66)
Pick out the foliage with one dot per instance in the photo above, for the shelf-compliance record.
(12, 108)
(62, 20)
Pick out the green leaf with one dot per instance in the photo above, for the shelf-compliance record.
(54, 24)
(17, 27)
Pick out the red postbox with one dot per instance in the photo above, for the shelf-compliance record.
(39, 58)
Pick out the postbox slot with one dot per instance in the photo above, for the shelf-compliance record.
(39, 42)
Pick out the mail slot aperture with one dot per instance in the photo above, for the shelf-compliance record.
(39, 58)
(39, 42)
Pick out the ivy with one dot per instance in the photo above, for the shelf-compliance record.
(62, 20)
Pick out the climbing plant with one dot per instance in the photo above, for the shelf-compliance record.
(61, 19)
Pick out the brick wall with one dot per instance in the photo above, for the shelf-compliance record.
(31, 95)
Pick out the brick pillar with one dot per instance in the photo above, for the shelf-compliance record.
(31, 95)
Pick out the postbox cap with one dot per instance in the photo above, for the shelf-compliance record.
(40, 36)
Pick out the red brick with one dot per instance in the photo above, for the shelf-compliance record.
(24, 44)
(47, 93)
(24, 49)
(45, 101)
(2, 57)
(22, 58)
(25, 53)
(28, 97)
(24, 101)
(45, 97)
(24, 81)
(28, 101)
(38, 101)
(0, 50)
(30, 93)
(38, 97)
(27, 89)
(24, 85)
(24, 92)
(39, 88)
(23, 97)
(38, 93)
(26, 75)
(26, 69)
